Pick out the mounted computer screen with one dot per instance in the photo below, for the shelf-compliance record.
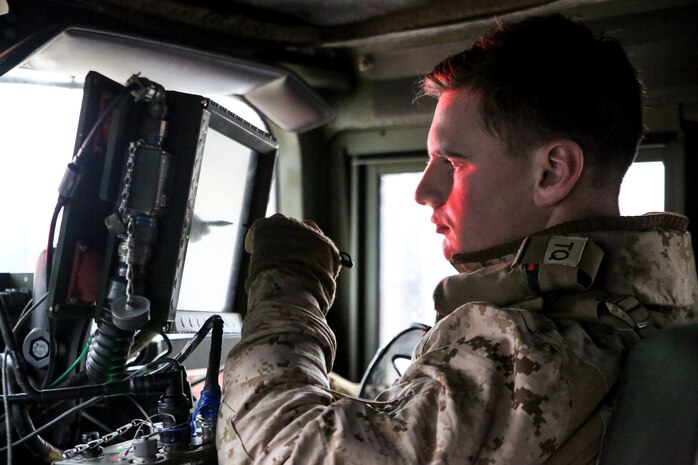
(212, 173)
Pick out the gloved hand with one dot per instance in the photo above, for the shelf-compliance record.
(299, 248)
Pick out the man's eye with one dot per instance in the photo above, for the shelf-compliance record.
(452, 163)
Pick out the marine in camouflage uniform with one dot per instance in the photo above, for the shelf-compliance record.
(528, 343)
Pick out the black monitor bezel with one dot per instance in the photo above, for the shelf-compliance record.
(189, 118)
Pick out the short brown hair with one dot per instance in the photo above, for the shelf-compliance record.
(549, 77)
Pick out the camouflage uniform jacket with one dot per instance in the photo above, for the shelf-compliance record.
(517, 367)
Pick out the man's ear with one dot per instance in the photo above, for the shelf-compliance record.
(559, 166)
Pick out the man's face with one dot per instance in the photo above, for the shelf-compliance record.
(481, 195)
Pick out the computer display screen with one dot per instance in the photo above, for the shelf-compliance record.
(210, 179)
(212, 257)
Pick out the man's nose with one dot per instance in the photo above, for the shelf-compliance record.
(434, 187)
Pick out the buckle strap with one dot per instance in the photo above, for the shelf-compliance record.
(630, 311)
(559, 262)
(625, 314)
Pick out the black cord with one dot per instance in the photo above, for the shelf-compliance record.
(142, 352)
(37, 431)
(11, 348)
(203, 378)
(73, 173)
(51, 235)
(171, 362)
(138, 406)
(198, 337)
(107, 111)
(7, 335)
(96, 422)
(53, 343)
(6, 405)
(46, 426)
(168, 343)
(31, 307)
(214, 354)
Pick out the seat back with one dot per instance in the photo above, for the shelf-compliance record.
(385, 368)
(655, 419)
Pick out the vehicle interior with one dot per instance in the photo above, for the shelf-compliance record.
(319, 103)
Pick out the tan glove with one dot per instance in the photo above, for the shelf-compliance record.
(299, 248)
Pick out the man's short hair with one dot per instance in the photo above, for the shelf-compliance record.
(550, 77)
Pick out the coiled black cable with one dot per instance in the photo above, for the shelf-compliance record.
(106, 360)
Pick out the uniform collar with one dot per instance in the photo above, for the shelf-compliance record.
(472, 261)
(649, 256)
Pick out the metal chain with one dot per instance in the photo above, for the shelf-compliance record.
(125, 193)
(130, 244)
(104, 439)
(128, 177)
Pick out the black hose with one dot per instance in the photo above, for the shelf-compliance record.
(106, 360)
(145, 384)
(198, 337)
(18, 363)
(34, 434)
(21, 421)
(51, 235)
(39, 447)
(214, 355)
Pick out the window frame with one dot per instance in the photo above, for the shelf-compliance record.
(363, 154)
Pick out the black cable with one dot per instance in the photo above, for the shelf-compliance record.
(168, 343)
(198, 337)
(53, 350)
(37, 431)
(46, 426)
(214, 354)
(66, 191)
(107, 111)
(96, 422)
(203, 378)
(41, 448)
(51, 235)
(145, 384)
(7, 334)
(72, 176)
(8, 337)
(165, 360)
(82, 378)
(6, 405)
(53, 357)
(138, 406)
(26, 313)
(141, 341)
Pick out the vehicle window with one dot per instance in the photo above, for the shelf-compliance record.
(643, 189)
(38, 117)
(411, 261)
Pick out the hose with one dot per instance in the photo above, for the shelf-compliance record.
(106, 359)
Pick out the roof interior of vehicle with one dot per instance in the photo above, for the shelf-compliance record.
(353, 22)
(387, 33)
(332, 44)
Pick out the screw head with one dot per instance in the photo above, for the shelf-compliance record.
(40, 349)
(89, 436)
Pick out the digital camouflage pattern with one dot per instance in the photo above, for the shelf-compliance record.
(493, 382)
